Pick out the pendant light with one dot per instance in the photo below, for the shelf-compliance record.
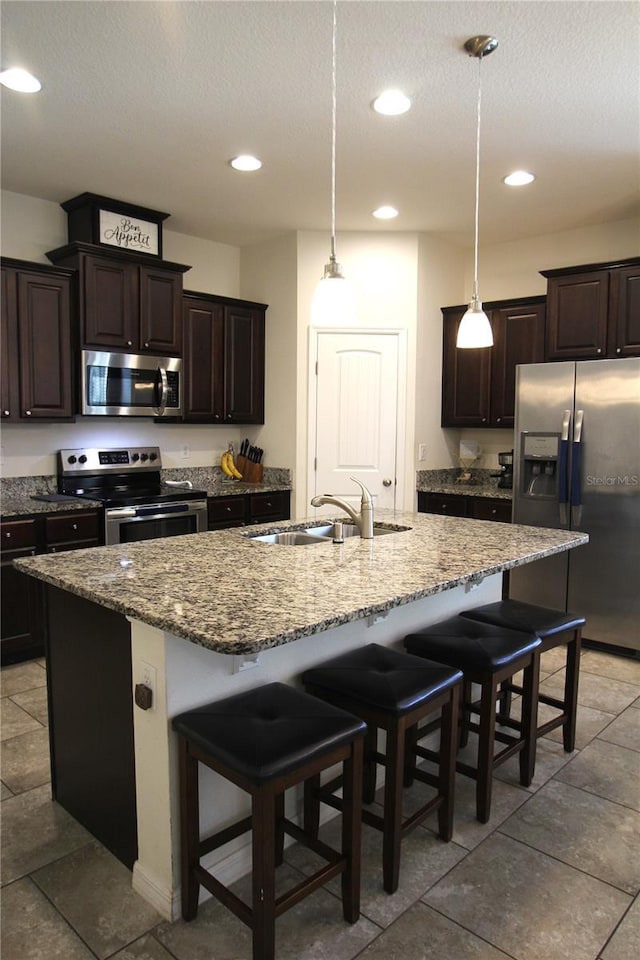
(333, 302)
(475, 329)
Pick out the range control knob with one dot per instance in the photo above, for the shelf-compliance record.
(135, 457)
(82, 458)
(71, 459)
(153, 456)
(144, 457)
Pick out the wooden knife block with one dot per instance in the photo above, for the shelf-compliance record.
(251, 472)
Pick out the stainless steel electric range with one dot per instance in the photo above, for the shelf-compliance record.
(137, 504)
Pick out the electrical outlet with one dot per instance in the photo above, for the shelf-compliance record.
(186, 452)
(422, 451)
(147, 675)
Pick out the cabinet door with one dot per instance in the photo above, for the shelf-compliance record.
(465, 379)
(20, 607)
(203, 346)
(577, 310)
(44, 346)
(109, 298)
(269, 506)
(446, 504)
(243, 365)
(624, 312)
(9, 358)
(519, 338)
(490, 508)
(226, 511)
(160, 306)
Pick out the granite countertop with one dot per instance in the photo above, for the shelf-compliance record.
(233, 595)
(26, 506)
(466, 489)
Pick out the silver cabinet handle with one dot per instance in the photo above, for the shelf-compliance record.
(386, 482)
(27, 413)
(7, 413)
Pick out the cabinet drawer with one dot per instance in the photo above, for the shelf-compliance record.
(16, 534)
(226, 511)
(446, 504)
(484, 508)
(67, 529)
(269, 505)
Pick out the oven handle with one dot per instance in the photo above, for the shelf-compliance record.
(165, 392)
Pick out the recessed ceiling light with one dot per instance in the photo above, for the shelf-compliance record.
(246, 162)
(391, 103)
(519, 178)
(21, 80)
(385, 213)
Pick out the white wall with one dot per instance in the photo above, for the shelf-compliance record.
(268, 275)
(383, 270)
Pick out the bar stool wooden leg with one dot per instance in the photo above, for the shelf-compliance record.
(369, 768)
(279, 829)
(311, 806)
(485, 749)
(465, 713)
(351, 833)
(447, 768)
(571, 692)
(393, 782)
(189, 830)
(529, 719)
(263, 822)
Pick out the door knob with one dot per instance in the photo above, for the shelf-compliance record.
(386, 482)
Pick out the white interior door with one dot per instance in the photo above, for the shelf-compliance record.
(357, 415)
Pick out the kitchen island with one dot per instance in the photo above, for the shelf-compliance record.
(207, 615)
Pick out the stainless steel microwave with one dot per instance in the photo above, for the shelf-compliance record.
(130, 385)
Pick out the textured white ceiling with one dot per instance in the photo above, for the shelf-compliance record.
(147, 101)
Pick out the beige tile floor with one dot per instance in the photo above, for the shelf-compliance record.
(555, 875)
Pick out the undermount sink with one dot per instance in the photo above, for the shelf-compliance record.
(350, 530)
(291, 538)
(320, 534)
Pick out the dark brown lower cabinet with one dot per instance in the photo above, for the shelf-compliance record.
(461, 505)
(238, 510)
(22, 625)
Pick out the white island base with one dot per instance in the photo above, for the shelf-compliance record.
(188, 675)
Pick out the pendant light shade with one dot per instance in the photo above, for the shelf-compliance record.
(475, 329)
(334, 301)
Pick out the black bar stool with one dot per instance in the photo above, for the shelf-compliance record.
(391, 691)
(265, 741)
(555, 629)
(487, 655)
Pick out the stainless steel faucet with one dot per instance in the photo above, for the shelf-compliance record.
(363, 520)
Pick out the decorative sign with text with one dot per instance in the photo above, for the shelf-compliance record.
(128, 233)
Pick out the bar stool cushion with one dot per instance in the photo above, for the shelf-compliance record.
(471, 645)
(383, 678)
(268, 731)
(516, 615)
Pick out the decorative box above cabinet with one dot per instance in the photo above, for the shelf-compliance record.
(37, 379)
(223, 359)
(593, 311)
(127, 302)
(478, 386)
(114, 223)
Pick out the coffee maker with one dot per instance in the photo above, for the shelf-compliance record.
(505, 459)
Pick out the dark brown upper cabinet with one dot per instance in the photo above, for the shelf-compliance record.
(127, 302)
(37, 372)
(478, 386)
(224, 358)
(593, 311)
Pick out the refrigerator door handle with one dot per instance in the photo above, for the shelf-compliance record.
(563, 470)
(576, 455)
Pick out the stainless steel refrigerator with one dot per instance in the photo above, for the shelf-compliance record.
(577, 466)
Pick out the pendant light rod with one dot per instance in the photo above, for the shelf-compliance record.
(478, 47)
(334, 112)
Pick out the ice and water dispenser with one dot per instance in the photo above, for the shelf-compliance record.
(539, 454)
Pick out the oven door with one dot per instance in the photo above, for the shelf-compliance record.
(129, 524)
